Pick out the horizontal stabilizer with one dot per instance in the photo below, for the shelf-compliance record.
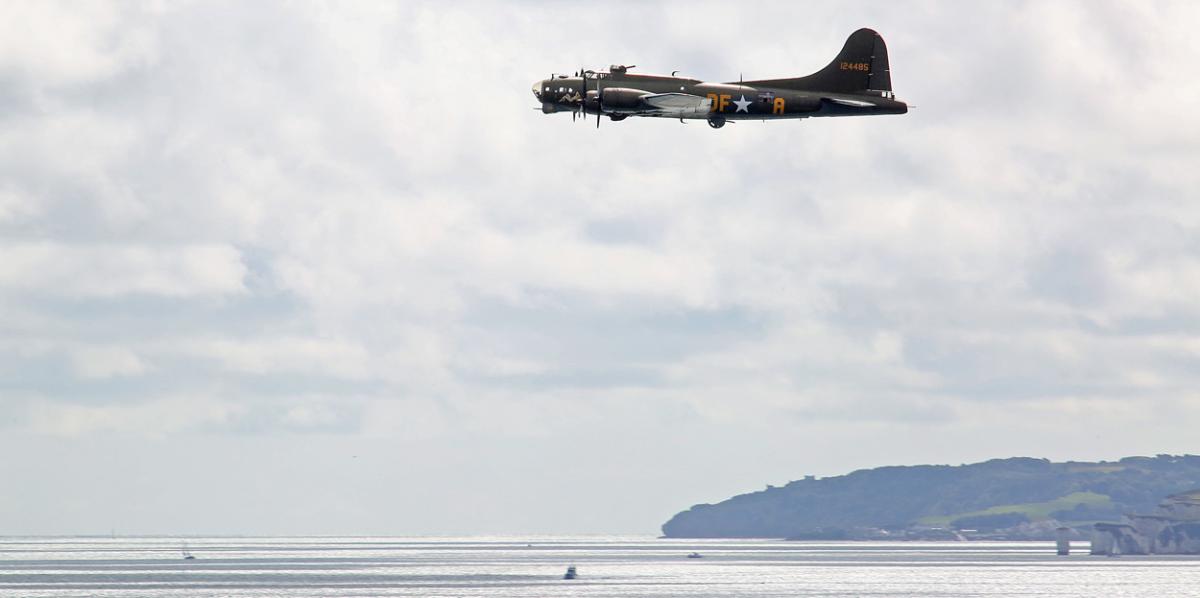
(853, 103)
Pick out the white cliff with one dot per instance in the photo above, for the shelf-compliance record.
(1174, 528)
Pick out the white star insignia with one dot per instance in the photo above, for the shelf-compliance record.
(743, 105)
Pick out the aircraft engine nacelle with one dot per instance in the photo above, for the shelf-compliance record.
(623, 98)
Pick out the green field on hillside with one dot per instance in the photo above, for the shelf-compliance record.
(992, 495)
(1035, 511)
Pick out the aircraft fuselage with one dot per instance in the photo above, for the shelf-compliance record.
(733, 101)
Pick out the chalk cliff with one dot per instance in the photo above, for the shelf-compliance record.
(1173, 528)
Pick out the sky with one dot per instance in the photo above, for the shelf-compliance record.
(307, 268)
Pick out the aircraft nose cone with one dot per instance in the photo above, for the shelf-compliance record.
(537, 89)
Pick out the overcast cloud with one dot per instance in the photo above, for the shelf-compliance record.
(305, 268)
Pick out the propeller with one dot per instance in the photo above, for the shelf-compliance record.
(578, 109)
(599, 102)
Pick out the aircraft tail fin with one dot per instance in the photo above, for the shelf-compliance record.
(861, 65)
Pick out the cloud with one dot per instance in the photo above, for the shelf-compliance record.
(153, 419)
(338, 227)
(56, 269)
(106, 362)
(286, 355)
(94, 40)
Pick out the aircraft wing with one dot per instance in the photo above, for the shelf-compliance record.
(678, 104)
(676, 101)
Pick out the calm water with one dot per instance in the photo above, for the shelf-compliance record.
(608, 566)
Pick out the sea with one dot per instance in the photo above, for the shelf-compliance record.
(335, 567)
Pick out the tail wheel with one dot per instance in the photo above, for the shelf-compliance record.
(716, 122)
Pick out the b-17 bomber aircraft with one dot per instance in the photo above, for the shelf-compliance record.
(857, 82)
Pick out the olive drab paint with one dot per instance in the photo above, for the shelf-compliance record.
(857, 82)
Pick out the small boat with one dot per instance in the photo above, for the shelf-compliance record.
(570, 574)
(187, 554)
(695, 555)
